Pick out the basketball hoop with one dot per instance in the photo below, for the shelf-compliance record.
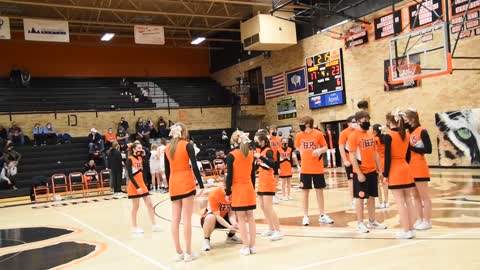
(406, 73)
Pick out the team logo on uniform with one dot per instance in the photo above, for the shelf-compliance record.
(285, 155)
(414, 139)
(308, 145)
(224, 207)
(275, 144)
(369, 143)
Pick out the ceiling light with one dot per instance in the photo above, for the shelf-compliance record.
(107, 36)
(197, 41)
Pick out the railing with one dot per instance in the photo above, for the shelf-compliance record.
(249, 94)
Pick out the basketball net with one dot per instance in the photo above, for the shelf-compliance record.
(406, 73)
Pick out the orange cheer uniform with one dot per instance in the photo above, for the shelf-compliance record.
(285, 159)
(396, 168)
(306, 143)
(275, 144)
(380, 150)
(135, 175)
(267, 184)
(241, 181)
(180, 175)
(418, 163)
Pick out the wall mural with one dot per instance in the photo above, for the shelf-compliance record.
(459, 137)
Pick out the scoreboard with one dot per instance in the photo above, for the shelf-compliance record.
(326, 85)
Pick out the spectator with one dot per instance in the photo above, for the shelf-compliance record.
(96, 156)
(50, 134)
(122, 136)
(7, 176)
(95, 140)
(143, 133)
(38, 135)
(124, 124)
(138, 124)
(162, 128)
(15, 134)
(110, 138)
(90, 166)
(225, 139)
(3, 133)
(153, 131)
(16, 77)
(115, 164)
(25, 76)
(10, 155)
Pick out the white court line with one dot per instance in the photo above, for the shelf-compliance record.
(131, 250)
(374, 251)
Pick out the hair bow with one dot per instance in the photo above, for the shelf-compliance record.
(175, 131)
(243, 138)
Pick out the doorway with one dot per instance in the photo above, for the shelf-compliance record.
(255, 81)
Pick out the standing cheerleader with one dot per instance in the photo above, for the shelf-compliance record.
(397, 172)
(267, 185)
(311, 144)
(420, 145)
(275, 143)
(285, 159)
(179, 155)
(137, 189)
(382, 187)
(240, 189)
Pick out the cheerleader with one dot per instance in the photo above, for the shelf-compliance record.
(181, 178)
(267, 185)
(285, 159)
(420, 145)
(240, 189)
(137, 189)
(275, 143)
(397, 172)
(382, 188)
(343, 148)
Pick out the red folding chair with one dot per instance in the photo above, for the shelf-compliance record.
(92, 181)
(76, 182)
(59, 183)
(105, 178)
(43, 189)
(208, 169)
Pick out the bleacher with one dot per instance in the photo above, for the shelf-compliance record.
(72, 94)
(195, 91)
(46, 161)
(210, 141)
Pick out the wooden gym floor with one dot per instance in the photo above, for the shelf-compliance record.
(94, 233)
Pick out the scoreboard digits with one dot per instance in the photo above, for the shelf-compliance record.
(325, 79)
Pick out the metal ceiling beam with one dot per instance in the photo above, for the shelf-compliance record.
(30, 3)
(132, 24)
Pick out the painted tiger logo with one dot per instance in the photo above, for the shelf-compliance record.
(459, 137)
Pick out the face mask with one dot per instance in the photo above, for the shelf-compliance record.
(274, 133)
(302, 127)
(284, 145)
(365, 125)
(407, 126)
(354, 125)
(256, 144)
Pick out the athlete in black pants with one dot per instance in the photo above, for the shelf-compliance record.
(116, 168)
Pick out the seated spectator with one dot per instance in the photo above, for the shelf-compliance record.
(7, 176)
(10, 155)
(143, 133)
(124, 124)
(122, 136)
(221, 155)
(162, 128)
(26, 78)
(90, 166)
(16, 77)
(95, 140)
(96, 156)
(110, 138)
(38, 137)
(50, 134)
(15, 134)
(138, 124)
(153, 131)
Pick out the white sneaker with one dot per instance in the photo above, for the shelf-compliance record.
(156, 228)
(190, 257)
(362, 228)
(267, 233)
(376, 225)
(137, 230)
(277, 235)
(233, 240)
(379, 205)
(386, 204)
(253, 250)
(417, 223)
(179, 257)
(285, 198)
(325, 219)
(306, 221)
(206, 245)
(424, 225)
(276, 200)
(245, 251)
(405, 235)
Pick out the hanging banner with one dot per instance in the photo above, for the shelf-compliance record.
(149, 34)
(286, 108)
(46, 30)
(4, 28)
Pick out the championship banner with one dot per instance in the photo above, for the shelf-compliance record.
(4, 28)
(46, 30)
(149, 34)
(296, 80)
(287, 108)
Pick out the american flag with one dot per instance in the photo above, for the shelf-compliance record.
(274, 86)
